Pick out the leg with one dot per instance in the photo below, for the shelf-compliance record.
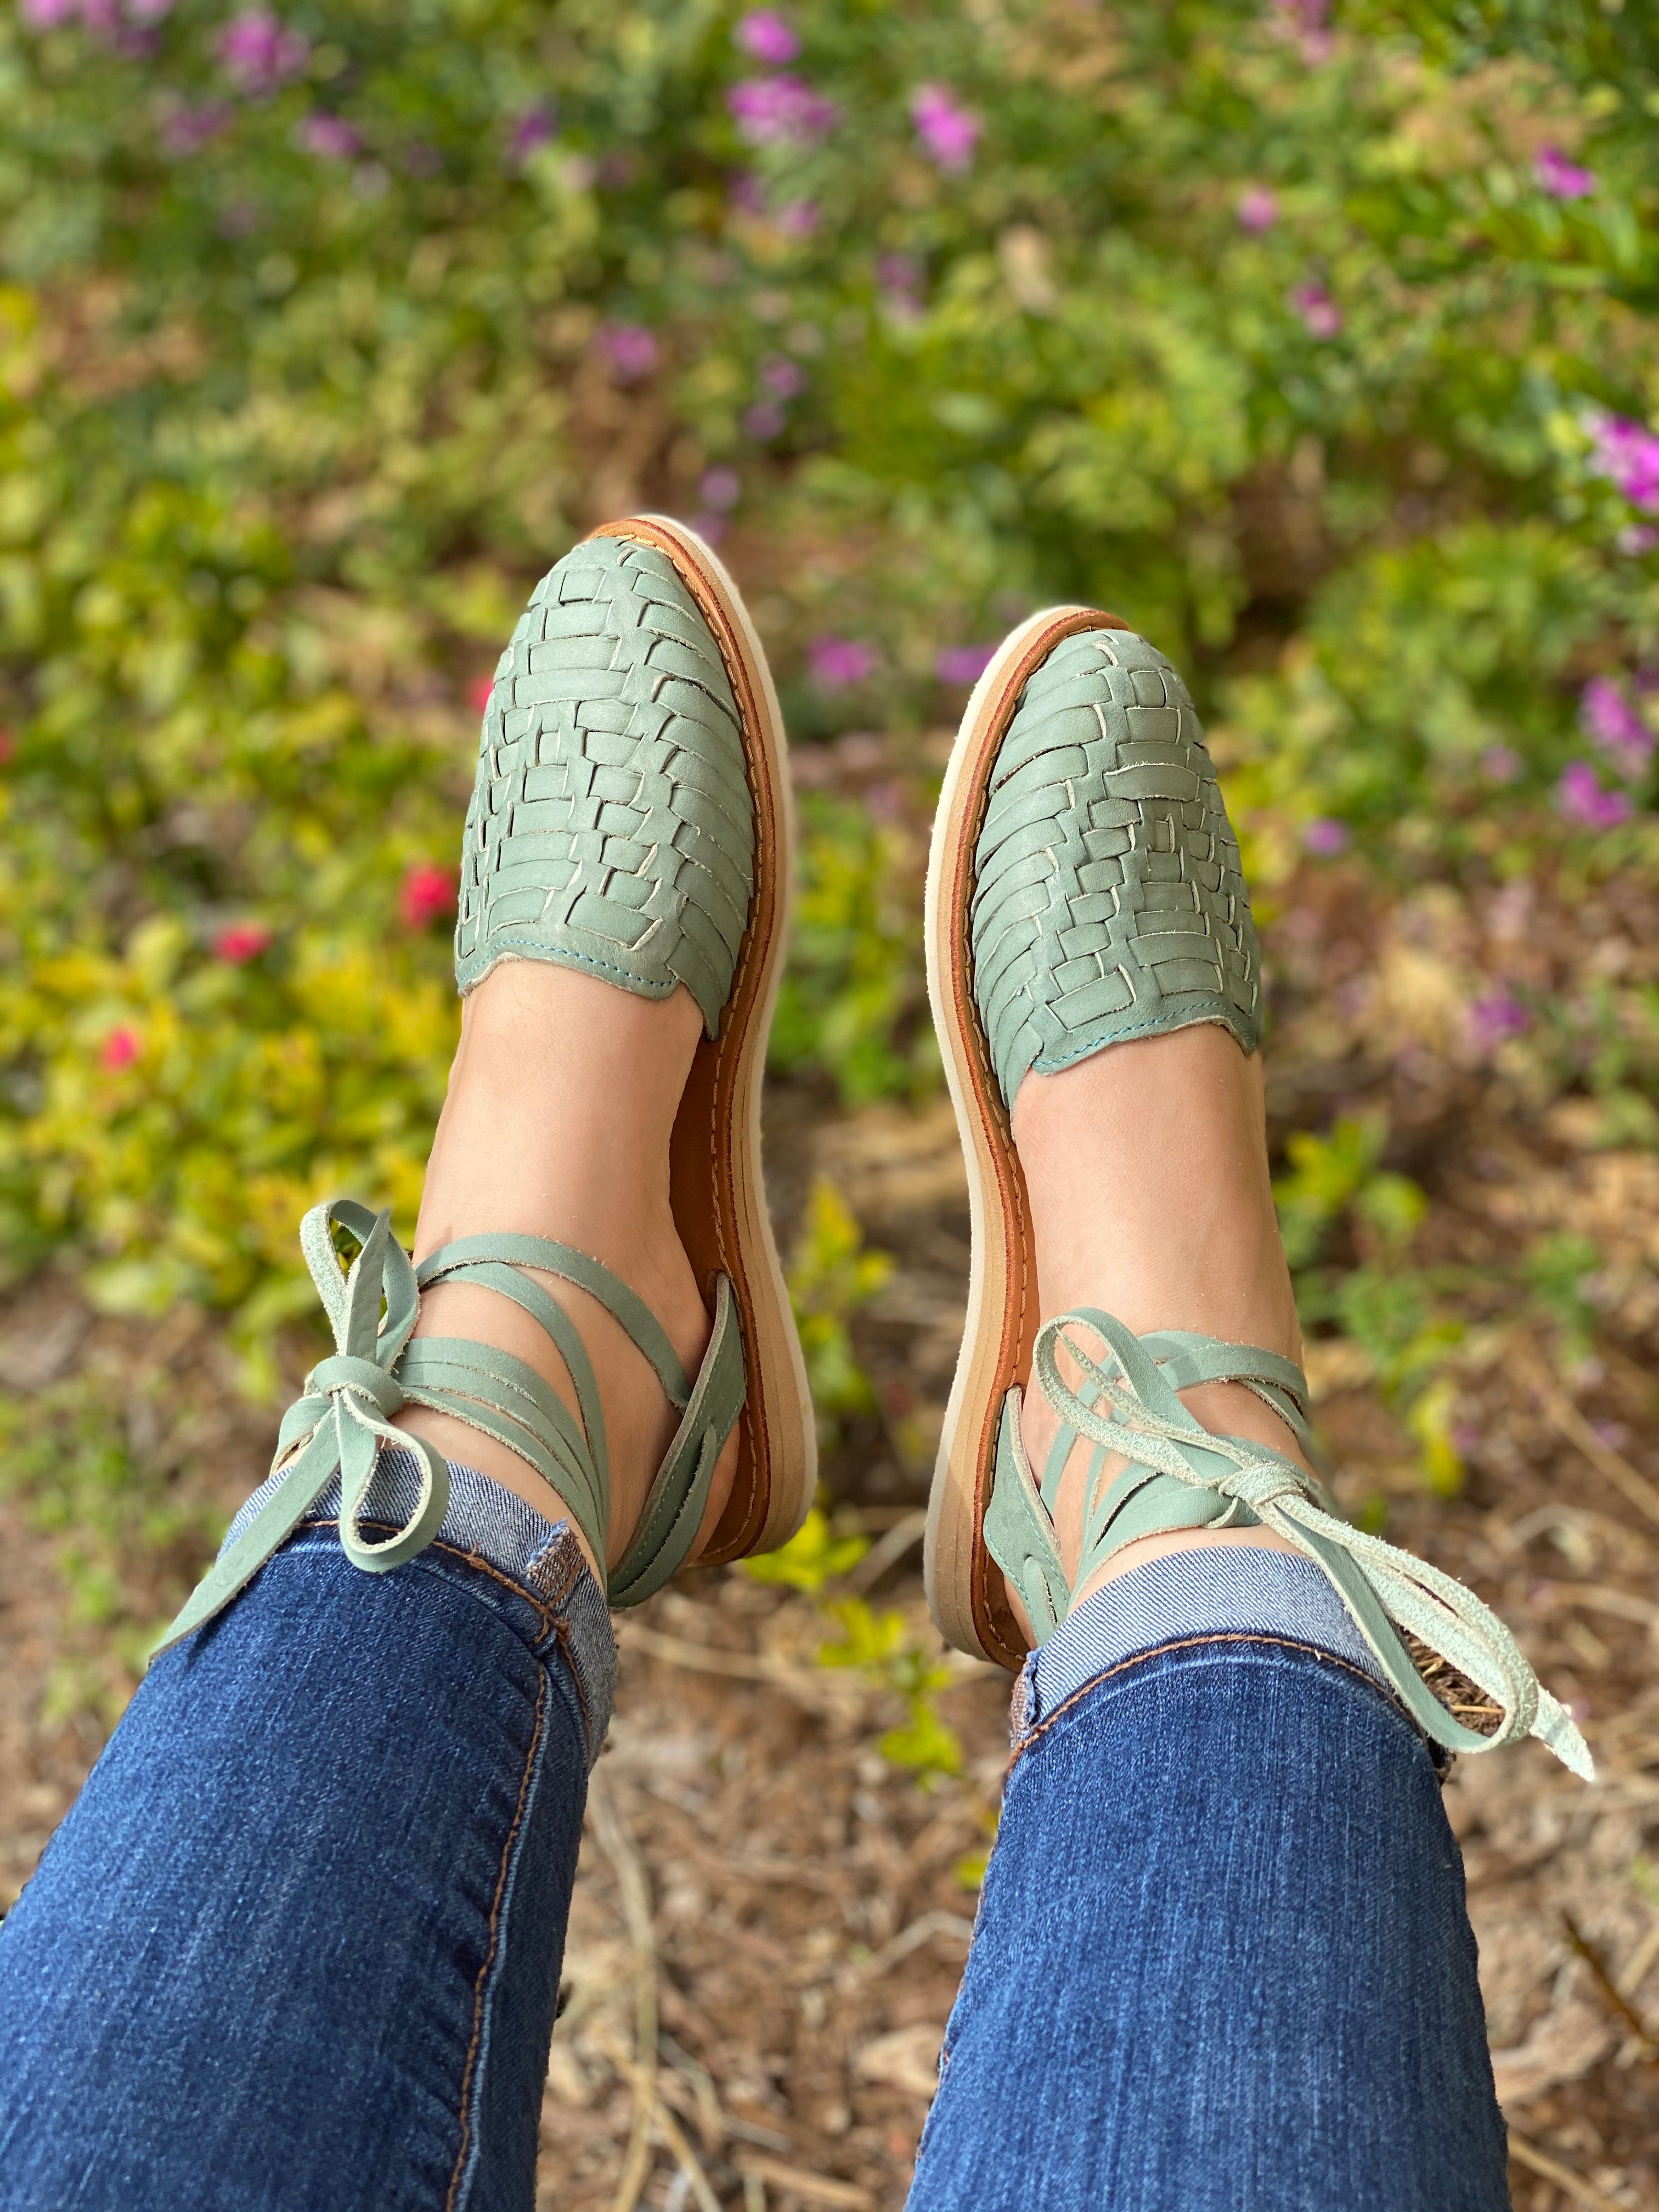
(298, 1941)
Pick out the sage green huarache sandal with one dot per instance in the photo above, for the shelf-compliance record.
(631, 817)
(1084, 888)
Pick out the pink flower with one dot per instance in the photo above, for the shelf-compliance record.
(797, 218)
(1325, 837)
(1561, 178)
(427, 892)
(780, 111)
(630, 348)
(1257, 208)
(783, 378)
(531, 130)
(1500, 764)
(261, 53)
(478, 693)
(1613, 723)
(187, 130)
(1580, 799)
(722, 488)
(766, 36)
(329, 137)
(763, 420)
(239, 942)
(1319, 312)
(1498, 1016)
(47, 14)
(1627, 453)
(710, 527)
(837, 662)
(1636, 538)
(119, 1050)
(149, 11)
(962, 664)
(948, 132)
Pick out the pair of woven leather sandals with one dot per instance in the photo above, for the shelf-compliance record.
(631, 818)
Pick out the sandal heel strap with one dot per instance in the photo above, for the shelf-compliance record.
(674, 1510)
(1181, 1475)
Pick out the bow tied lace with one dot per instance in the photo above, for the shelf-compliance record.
(342, 1417)
(1383, 1588)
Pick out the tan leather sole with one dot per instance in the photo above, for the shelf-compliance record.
(965, 1586)
(716, 1184)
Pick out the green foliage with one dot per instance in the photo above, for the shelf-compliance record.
(878, 1645)
(1336, 1177)
(1278, 342)
(812, 1557)
(831, 1276)
(1561, 1274)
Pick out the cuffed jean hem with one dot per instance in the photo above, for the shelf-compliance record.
(494, 1527)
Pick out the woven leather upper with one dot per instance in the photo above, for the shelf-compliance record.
(611, 826)
(1109, 900)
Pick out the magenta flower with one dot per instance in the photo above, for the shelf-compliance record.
(427, 892)
(187, 130)
(722, 488)
(631, 350)
(780, 111)
(837, 662)
(330, 138)
(962, 664)
(1627, 453)
(949, 133)
(1320, 313)
(797, 218)
(478, 692)
(1561, 178)
(1500, 764)
(763, 420)
(1325, 837)
(119, 1050)
(1609, 718)
(1636, 538)
(47, 14)
(899, 276)
(531, 130)
(710, 527)
(1494, 1018)
(261, 53)
(1257, 208)
(239, 942)
(783, 378)
(766, 36)
(1580, 799)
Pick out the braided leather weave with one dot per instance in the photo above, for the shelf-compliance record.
(610, 826)
(1109, 900)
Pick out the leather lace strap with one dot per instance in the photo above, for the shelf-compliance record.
(1180, 1475)
(344, 1413)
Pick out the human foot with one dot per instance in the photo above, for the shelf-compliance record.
(1146, 1170)
(1128, 1380)
(595, 1210)
(561, 1107)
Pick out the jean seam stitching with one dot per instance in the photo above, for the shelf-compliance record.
(546, 1613)
(468, 2072)
(1194, 1644)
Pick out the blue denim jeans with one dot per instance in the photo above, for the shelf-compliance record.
(297, 1947)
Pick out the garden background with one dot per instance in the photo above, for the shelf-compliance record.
(1321, 345)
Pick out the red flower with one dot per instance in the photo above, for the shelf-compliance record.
(477, 694)
(120, 1049)
(427, 893)
(7, 746)
(239, 942)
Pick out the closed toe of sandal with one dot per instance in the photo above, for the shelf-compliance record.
(1084, 888)
(630, 817)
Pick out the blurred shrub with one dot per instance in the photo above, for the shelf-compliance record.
(1316, 341)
